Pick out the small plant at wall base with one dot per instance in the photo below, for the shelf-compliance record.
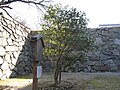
(65, 35)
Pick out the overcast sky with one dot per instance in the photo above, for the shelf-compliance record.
(97, 11)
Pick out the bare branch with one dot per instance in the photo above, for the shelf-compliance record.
(7, 12)
(5, 7)
(32, 2)
(4, 3)
(40, 4)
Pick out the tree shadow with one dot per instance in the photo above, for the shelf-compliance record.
(17, 52)
(24, 63)
(28, 87)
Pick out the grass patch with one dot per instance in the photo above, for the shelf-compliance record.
(46, 77)
(27, 76)
(97, 83)
(105, 83)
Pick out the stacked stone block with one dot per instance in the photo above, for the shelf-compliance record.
(106, 51)
(15, 48)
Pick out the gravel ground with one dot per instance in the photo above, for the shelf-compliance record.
(12, 84)
(82, 81)
(87, 76)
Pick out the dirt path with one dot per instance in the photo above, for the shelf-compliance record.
(16, 84)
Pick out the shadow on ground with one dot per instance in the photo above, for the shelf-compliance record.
(5, 87)
(28, 87)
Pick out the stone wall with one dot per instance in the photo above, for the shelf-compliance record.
(105, 56)
(106, 53)
(16, 56)
(15, 49)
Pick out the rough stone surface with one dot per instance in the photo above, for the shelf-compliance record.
(117, 41)
(1, 74)
(5, 68)
(16, 55)
(1, 60)
(108, 45)
(3, 41)
(14, 37)
(8, 58)
(10, 42)
(106, 53)
(11, 48)
(2, 51)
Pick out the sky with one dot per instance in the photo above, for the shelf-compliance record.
(97, 11)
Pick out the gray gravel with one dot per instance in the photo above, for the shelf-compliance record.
(86, 76)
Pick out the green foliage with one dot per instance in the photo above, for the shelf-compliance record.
(65, 35)
(65, 31)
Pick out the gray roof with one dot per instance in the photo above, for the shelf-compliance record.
(109, 25)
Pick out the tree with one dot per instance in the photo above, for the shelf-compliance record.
(5, 4)
(65, 35)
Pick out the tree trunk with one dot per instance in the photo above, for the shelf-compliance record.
(57, 75)
(60, 75)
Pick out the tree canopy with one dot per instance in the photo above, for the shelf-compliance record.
(65, 36)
